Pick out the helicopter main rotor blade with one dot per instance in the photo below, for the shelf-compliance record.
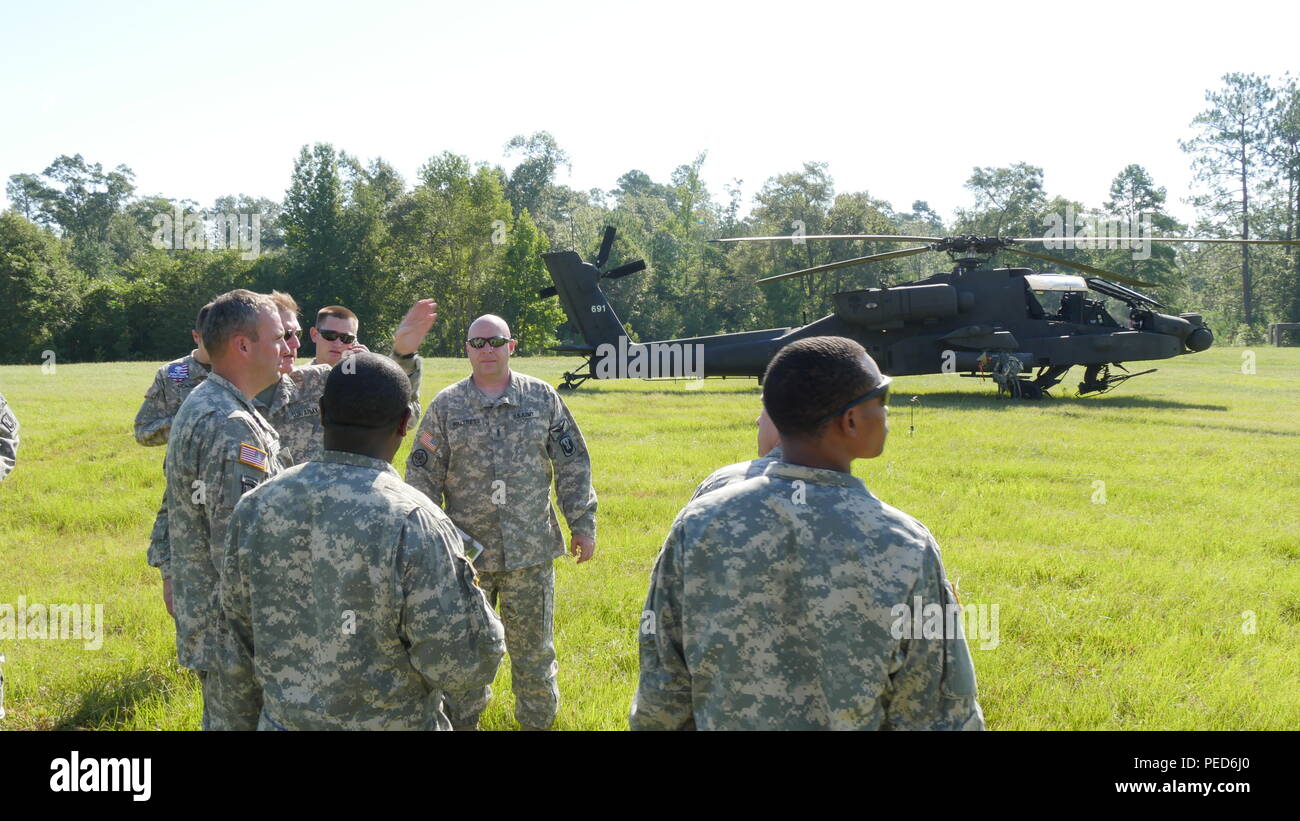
(1093, 242)
(872, 237)
(1080, 266)
(844, 263)
(624, 269)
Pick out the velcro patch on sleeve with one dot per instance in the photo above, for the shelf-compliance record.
(560, 433)
(252, 456)
(426, 441)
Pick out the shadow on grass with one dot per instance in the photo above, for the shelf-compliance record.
(113, 703)
(670, 388)
(966, 400)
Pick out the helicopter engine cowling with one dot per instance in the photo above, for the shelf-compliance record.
(891, 307)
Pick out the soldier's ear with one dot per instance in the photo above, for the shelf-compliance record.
(404, 423)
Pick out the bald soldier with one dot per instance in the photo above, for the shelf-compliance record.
(773, 604)
(219, 448)
(8, 438)
(350, 603)
(487, 451)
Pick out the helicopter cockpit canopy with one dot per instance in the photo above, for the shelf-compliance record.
(1041, 283)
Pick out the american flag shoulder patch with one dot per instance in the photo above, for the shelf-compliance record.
(252, 456)
(426, 441)
(178, 371)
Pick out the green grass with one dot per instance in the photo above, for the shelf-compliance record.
(1122, 615)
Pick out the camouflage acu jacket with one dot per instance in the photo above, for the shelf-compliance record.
(738, 472)
(172, 383)
(490, 462)
(295, 415)
(350, 603)
(8, 438)
(220, 448)
(295, 407)
(772, 606)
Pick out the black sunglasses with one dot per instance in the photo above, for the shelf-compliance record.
(288, 334)
(882, 391)
(480, 341)
(332, 336)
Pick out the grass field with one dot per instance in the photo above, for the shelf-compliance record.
(1168, 596)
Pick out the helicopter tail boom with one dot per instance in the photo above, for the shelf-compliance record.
(586, 306)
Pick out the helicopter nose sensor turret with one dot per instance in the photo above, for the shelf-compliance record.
(1188, 328)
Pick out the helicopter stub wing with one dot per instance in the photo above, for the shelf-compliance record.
(982, 337)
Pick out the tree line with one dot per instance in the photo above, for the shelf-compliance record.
(93, 270)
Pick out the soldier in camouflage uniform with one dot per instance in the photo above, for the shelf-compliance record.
(219, 448)
(487, 451)
(335, 335)
(171, 385)
(292, 403)
(8, 438)
(350, 603)
(153, 422)
(769, 451)
(773, 604)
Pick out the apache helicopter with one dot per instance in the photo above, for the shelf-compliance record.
(981, 321)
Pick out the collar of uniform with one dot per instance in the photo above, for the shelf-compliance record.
(283, 389)
(344, 457)
(217, 379)
(819, 476)
(512, 395)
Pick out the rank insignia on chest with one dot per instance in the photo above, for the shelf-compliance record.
(178, 372)
(426, 441)
(251, 456)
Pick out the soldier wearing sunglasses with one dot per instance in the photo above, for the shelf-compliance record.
(487, 452)
(335, 335)
(774, 603)
(291, 404)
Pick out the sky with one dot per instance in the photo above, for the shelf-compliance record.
(901, 100)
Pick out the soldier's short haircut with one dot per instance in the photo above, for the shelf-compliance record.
(336, 311)
(811, 378)
(198, 321)
(234, 312)
(285, 302)
(365, 391)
